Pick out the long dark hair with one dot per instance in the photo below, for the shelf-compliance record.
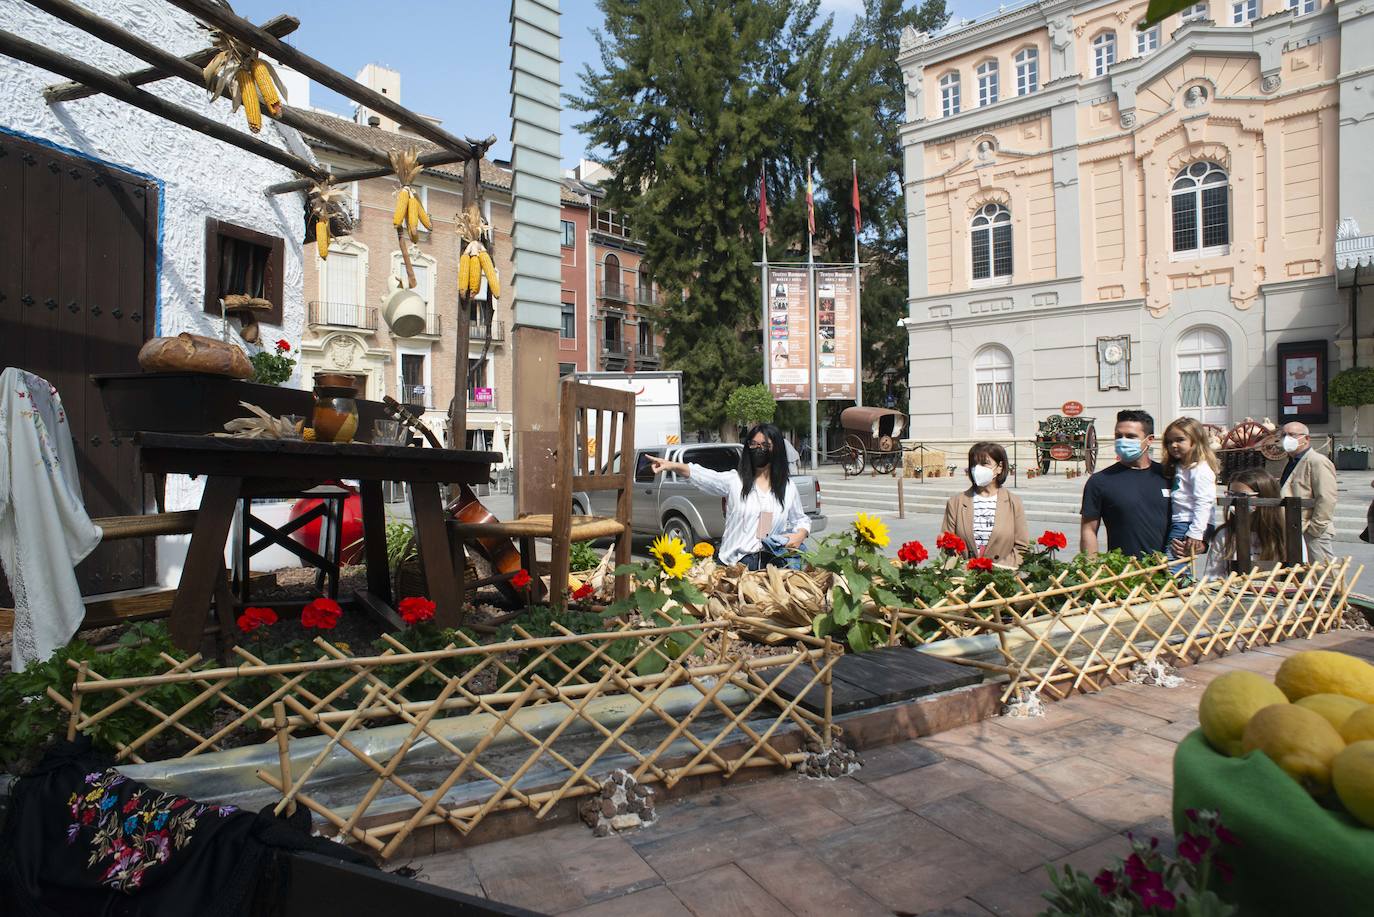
(1266, 522)
(777, 468)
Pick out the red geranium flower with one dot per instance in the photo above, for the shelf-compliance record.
(415, 609)
(1053, 540)
(253, 618)
(283, 345)
(980, 563)
(913, 552)
(582, 591)
(321, 613)
(948, 541)
(521, 579)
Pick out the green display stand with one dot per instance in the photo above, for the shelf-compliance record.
(1295, 857)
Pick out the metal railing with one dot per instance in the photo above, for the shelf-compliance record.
(618, 292)
(616, 347)
(478, 332)
(475, 405)
(341, 315)
(646, 296)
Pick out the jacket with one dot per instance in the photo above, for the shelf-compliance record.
(1009, 538)
(1314, 477)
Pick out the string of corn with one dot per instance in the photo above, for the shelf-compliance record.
(489, 269)
(248, 95)
(262, 76)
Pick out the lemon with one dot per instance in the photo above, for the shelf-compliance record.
(1359, 726)
(1325, 672)
(1352, 773)
(1299, 741)
(1335, 707)
(1229, 702)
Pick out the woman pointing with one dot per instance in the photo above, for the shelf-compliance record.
(761, 503)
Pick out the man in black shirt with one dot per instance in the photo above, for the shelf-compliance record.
(1131, 496)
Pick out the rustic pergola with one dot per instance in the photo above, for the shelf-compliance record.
(87, 80)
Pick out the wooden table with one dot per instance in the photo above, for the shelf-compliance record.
(239, 468)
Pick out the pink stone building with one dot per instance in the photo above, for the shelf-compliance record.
(1130, 218)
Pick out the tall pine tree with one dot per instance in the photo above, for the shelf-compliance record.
(691, 97)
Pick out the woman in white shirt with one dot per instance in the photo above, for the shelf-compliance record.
(760, 501)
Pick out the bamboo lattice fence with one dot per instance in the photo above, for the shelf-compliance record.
(567, 675)
(1077, 636)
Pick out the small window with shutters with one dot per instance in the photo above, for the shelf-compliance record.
(245, 262)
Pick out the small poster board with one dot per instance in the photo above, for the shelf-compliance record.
(1302, 382)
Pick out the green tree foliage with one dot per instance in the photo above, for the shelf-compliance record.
(690, 99)
(751, 404)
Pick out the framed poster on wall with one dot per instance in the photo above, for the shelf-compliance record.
(1302, 382)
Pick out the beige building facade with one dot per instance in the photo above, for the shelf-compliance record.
(1128, 218)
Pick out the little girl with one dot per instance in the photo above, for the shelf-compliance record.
(1192, 466)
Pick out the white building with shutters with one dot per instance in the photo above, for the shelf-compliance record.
(1135, 218)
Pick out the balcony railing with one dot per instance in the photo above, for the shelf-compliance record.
(616, 347)
(475, 405)
(432, 325)
(646, 351)
(478, 332)
(342, 315)
(646, 296)
(616, 292)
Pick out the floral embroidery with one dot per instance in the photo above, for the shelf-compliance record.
(129, 839)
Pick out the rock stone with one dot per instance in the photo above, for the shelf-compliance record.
(626, 821)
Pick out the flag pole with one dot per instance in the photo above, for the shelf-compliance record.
(858, 314)
(763, 279)
(811, 296)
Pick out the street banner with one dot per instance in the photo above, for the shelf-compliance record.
(837, 329)
(788, 334)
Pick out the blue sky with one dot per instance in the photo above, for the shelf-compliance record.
(454, 55)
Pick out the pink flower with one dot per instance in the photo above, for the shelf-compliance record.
(1106, 883)
(1194, 847)
(321, 613)
(415, 609)
(1227, 836)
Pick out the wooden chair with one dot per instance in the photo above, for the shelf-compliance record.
(596, 426)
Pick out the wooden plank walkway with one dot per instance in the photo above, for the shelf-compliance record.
(878, 677)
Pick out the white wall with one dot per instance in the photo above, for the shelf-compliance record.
(200, 177)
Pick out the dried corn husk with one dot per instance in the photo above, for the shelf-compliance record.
(263, 426)
(773, 596)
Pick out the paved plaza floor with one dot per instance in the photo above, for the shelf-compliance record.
(959, 823)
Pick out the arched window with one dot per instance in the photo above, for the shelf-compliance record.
(610, 278)
(992, 390)
(1104, 52)
(1201, 210)
(1203, 357)
(1027, 71)
(987, 83)
(949, 94)
(990, 232)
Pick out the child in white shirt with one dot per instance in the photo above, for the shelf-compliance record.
(1191, 464)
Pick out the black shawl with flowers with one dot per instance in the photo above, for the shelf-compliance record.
(80, 838)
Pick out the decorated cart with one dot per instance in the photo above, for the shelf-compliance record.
(872, 438)
(1249, 444)
(1066, 439)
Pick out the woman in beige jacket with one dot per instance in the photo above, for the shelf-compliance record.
(990, 519)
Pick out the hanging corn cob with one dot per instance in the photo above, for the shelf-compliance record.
(410, 213)
(473, 265)
(323, 200)
(238, 74)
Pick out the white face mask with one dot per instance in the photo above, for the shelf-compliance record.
(1290, 443)
(982, 475)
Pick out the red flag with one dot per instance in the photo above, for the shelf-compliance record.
(763, 199)
(810, 203)
(858, 219)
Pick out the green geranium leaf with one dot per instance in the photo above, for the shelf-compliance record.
(857, 637)
(690, 593)
(639, 570)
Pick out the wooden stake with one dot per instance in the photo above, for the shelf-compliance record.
(283, 749)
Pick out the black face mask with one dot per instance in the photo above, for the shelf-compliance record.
(760, 457)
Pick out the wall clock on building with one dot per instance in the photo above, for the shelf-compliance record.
(1114, 363)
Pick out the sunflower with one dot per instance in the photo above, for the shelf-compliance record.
(703, 549)
(871, 530)
(671, 555)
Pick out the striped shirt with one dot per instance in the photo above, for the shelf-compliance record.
(984, 516)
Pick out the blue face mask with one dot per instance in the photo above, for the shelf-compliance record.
(1128, 450)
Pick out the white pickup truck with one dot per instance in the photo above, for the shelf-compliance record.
(670, 504)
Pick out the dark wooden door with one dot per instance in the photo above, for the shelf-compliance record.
(78, 290)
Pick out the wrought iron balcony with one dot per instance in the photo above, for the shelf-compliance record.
(616, 347)
(478, 332)
(341, 315)
(647, 296)
(616, 292)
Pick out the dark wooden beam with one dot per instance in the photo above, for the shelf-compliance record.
(12, 45)
(171, 65)
(437, 158)
(278, 27)
(224, 19)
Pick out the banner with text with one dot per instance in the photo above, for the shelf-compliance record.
(837, 328)
(788, 334)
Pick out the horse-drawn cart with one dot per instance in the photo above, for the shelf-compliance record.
(1066, 439)
(872, 438)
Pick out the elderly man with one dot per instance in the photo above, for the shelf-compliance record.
(1310, 475)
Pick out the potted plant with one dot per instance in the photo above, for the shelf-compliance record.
(1352, 388)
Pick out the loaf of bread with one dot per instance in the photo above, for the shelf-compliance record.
(194, 353)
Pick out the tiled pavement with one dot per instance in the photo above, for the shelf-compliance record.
(960, 823)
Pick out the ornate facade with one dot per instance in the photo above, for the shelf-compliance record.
(1126, 218)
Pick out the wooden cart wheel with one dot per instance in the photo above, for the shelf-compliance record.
(1245, 435)
(885, 462)
(1042, 456)
(852, 456)
(1090, 450)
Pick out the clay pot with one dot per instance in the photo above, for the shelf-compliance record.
(325, 379)
(336, 414)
